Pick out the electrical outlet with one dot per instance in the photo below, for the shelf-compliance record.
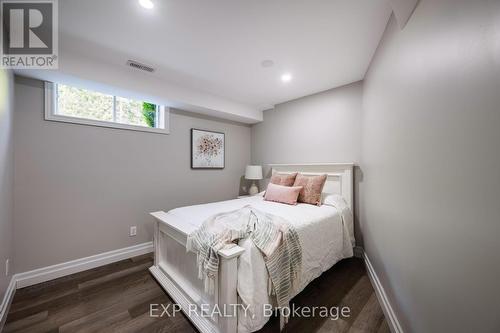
(133, 231)
(7, 267)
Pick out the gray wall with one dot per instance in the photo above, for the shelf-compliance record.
(324, 127)
(6, 177)
(79, 188)
(431, 160)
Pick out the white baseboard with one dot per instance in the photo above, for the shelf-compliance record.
(56, 271)
(7, 300)
(389, 313)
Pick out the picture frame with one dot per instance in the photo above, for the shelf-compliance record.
(207, 149)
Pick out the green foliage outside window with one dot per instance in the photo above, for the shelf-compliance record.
(86, 104)
(149, 113)
(81, 103)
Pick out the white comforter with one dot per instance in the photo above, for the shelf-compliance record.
(325, 233)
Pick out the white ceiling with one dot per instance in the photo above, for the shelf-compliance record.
(217, 46)
(208, 53)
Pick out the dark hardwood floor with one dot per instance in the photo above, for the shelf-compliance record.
(117, 298)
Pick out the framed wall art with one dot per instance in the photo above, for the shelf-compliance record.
(207, 149)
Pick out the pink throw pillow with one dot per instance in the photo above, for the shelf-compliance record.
(283, 179)
(284, 194)
(312, 186)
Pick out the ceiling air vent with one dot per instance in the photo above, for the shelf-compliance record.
(138, 65)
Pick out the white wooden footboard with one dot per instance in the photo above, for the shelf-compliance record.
(177, 273)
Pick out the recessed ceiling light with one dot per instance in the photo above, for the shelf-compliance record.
(148, 4)
(287, 77)
(267, 63)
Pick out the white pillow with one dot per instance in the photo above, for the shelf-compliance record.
(334, 200)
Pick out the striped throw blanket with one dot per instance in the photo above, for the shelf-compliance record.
(273, 236)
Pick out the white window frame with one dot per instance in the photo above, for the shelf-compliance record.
(163, 115)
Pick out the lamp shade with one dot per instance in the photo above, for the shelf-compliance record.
(253, 172)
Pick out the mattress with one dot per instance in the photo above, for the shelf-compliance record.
(325, 234)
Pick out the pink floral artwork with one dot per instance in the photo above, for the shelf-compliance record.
(207, 149)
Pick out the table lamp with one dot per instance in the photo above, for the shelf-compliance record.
(253, 172)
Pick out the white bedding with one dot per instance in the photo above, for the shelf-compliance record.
(325, 233)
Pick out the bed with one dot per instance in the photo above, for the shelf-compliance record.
(325, 232)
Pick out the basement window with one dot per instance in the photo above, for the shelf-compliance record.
(70, 104)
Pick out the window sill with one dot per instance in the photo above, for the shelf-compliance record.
(100, 123)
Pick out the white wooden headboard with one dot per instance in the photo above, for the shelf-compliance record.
(339, 177)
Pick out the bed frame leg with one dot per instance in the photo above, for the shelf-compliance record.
(228, 294)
